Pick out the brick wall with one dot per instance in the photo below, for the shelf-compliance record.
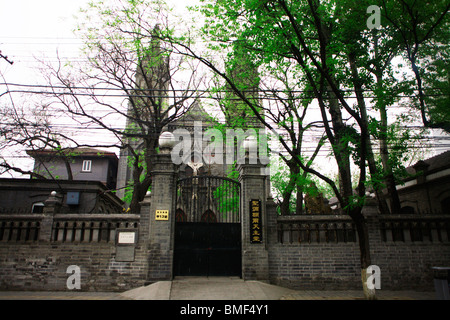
(318, 264)
(161, 232)
(336, 266)
(36, 255)
(43, 266)
(315, 266)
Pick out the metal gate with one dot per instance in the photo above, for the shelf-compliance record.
(207, 228)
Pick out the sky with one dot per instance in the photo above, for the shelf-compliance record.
(35, 28)
(40, 28)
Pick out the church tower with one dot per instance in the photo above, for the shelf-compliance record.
(242, 70)
(150, 89)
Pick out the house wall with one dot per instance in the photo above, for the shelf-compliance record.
(427, 190)
(19, 195)
(57, 167)
(426, 196)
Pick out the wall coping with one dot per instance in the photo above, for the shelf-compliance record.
(308, 218)
(71, 216)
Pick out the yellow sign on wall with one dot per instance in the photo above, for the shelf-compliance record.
(255, 221)
(162, 215)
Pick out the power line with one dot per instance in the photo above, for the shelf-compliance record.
(305, 151)
(182, 90)
(430, 141)
(200, 92)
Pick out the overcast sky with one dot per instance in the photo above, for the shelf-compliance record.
(40, 28)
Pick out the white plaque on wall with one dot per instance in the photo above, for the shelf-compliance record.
(126, 237)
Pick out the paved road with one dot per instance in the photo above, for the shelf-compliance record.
(212, 288)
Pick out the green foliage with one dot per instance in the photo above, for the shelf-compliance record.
(306, 183)
(128, 194)
(437, 88)
(421, 30)
(227, 194)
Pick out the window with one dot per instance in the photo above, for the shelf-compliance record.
(38, 207)
(86, 166)
(407, 210)
(445, 205)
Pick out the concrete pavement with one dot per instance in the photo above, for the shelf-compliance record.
(208, 288)
(213, 288)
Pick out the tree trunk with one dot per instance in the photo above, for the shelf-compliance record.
(389, 175)
(68, 169)
(142, 174)
(299, 201)
(384, 209)
(367, 146)
(135, 206)
(384, 153)
(369, 294)
(364, 249)
(284, 207)
(291, 186)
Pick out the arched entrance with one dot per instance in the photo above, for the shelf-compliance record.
(207, 227)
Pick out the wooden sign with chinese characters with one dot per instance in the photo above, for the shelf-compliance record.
(255, 221)
(162, 215)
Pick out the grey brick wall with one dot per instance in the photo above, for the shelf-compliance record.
(160, 240)
(336, 266)
(315, 266)
(403, 264)
(43, 266)
(254, 255)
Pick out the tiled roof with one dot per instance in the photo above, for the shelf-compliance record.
(74, 152)
(436, 163)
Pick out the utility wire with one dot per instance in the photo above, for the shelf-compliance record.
(193, 96)
(181, 90)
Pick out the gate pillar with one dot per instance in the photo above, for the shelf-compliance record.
(255, 259)
(160, 240)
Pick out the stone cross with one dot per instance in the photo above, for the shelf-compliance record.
(195, 166)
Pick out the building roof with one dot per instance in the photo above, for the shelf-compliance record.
(73, 152)
(433, 164)
(195, 113)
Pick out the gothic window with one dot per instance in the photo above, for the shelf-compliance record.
(180, 216)
(209, 216)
